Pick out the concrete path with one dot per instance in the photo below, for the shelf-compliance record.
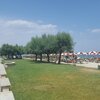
(2, 70)
(5, 93)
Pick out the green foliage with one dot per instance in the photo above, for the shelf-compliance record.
(64, 43)
(50, 44)
(45, 44)
(9, 50)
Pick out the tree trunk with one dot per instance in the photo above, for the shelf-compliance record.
(41, 57)
(35, 57)
(48, 58)
(8, 57)
(59, 59)
(12, 57)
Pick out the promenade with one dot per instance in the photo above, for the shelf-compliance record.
(5, 91)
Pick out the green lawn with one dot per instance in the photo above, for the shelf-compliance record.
(44, 81)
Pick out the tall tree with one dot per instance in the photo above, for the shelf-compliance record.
(35, 46)
(49, 42)
(18, 51)
(32, 47)
(64, 42)
(40, 46)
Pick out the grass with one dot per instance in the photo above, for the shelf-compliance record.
(45, 81)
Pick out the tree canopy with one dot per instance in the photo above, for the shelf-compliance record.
(10, 51)
(50, 44)
(39, 45)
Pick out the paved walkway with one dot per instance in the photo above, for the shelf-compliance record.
(5, 93)
(2, 70)
(8, 95)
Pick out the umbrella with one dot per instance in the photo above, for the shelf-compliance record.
(92, 53)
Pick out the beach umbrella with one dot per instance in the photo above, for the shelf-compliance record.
(84, 53)
(80, 53)
(92, 53)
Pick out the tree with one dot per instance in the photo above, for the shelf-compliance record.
(35, 46)
(28, 48)
(49, 42)
(10, 51)
(40, 46)
(31, 47)
(18, 51)
(7, 50)
(64, 42)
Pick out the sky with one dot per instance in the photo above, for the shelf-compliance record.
(20, 20)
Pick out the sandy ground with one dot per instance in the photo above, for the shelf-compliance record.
(89, 65)
(86, 64)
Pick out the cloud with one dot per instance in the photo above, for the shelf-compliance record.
(24, 26)
(95, 30)
(21, 31)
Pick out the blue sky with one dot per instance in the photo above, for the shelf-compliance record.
(22, 19)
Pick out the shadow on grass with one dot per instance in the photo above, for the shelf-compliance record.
(44, 62)
(40, 62)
